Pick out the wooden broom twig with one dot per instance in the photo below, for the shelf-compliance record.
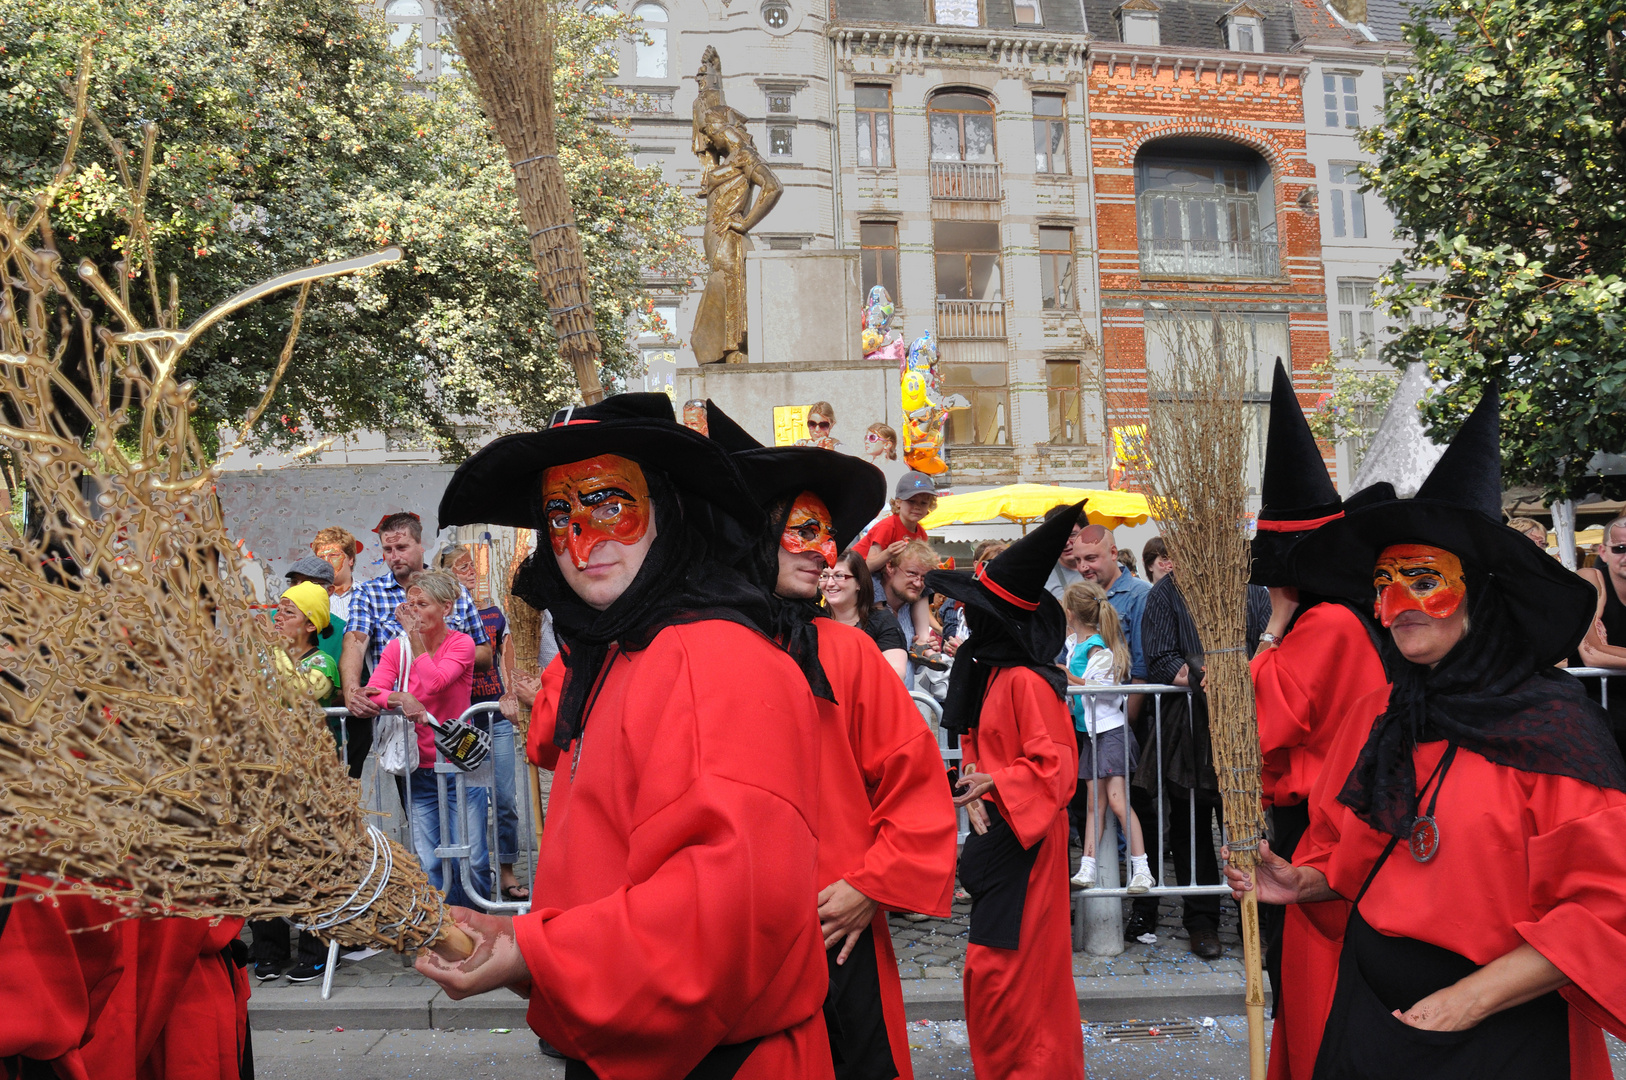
(152, 751)
(508, 47)
(1198, 449)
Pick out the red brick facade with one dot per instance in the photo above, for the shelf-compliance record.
(1138, 95)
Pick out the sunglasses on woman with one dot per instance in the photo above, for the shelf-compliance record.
(818, 425)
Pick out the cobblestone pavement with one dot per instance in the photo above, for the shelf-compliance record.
(935, 948)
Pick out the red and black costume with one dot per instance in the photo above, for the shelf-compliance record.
(886, 817)
(1006, 697)
(1474, 805)
(671, 932)
(1327, 658)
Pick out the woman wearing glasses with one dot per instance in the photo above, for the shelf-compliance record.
(1605, 642)
(821, 418)
(849, 592)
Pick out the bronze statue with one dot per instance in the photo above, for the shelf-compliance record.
(730, 167)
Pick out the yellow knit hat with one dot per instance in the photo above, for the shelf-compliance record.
(310, 598)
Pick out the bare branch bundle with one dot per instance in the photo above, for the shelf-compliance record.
(524, 624)
(507, 46)
(151, 751)
(1197, 444)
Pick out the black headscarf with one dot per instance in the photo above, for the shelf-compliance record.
(790, 621)
(991, 645)
(1487, 695)
(682, 580)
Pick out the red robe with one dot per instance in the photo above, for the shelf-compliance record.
(1523, 857)
(673, 908)
(1021, 1007)
(62, 956)
(1301, 689)
(180, 1009)
(886, 816)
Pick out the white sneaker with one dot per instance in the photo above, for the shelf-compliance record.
(1139, 883)
(1085, 878)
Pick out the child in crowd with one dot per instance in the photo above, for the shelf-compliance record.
(915, 496)
(1107, 749)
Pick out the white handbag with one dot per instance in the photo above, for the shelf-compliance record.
(394, 736)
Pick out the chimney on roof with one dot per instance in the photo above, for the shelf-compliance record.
(1351, 11)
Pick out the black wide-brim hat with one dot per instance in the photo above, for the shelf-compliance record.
(852, 489)
(1011, 587)
(1458, 508)
(499, 485)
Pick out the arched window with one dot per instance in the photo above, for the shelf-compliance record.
(403, 17)
(962, 127)
(651, 54)
(1206, 209)
(610, 50)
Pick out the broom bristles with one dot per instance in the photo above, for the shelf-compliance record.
(152, 751)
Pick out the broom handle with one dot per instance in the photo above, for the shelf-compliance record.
(453, 944)
(1254, 998)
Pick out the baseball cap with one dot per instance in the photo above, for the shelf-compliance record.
(914, 483)
(318, 570)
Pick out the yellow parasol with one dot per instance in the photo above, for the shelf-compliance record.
(1026, 503)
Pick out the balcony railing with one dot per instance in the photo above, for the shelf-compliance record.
(965, 180)
(1209, 258)
(971, 319)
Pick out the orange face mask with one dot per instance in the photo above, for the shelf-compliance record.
(588, 502)
(1416, 577)
(810, 528)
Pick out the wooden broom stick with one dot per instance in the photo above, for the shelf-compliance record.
(525, 632)
(1197, 445)
(508, 47)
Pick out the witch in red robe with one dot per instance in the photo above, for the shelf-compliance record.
(1471, 811)
(671, 931)
(1317, 654)
(886, 816)
(1006, 698)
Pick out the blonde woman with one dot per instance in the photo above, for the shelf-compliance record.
(1107, 749)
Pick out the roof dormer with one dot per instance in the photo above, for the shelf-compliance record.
(1244, 29)
(1138, 22)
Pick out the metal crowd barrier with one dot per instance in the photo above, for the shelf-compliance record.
(454, 857)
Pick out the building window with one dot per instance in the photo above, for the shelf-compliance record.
(1049, 133)
(776, 15)
(982, 420)
(779, 103)
(1062, 379)
(1137, 22)
(779, 141)
(1357, 332)
(874, 126)
(878, 257)
(962, 127)
(1056, 269)
(660, 369)
(404, 18)
(660, 321)
(608, 52)
(956, 12)
(1348, 201)
(1338, 98)
(1210, 217)
(650, 54)
(970, 281)
(1026, 13)
(1246, 34)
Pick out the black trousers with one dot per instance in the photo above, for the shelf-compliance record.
(1201, 912)
(269, 943)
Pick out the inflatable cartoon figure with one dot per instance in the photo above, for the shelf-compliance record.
(874, 338)
(924, 407)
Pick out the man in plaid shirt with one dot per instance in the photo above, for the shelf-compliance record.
(373, 603)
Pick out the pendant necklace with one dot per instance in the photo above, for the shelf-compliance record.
(1425, 830)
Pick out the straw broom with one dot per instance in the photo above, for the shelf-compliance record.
(1197, 443)
(151, 751)
(507, 46)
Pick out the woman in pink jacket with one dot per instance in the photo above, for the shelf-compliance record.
(439, 683)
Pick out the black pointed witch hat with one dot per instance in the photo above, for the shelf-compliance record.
(852, 489)
(1458, 508)
(1011, 586)
(1297, 495)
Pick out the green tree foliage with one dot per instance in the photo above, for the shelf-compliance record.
(1503, 155)
(1352, 409)
(288, 134)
